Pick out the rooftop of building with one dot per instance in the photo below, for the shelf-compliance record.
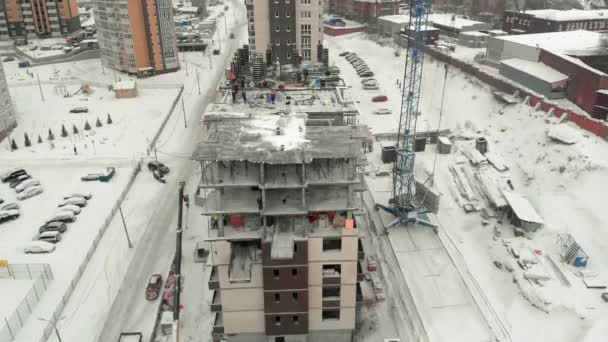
(568, 15)
(536, 69)
(440, 19)
(124, 85)
(278, 139)
(573, 43)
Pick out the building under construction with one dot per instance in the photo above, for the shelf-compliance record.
(279, 183)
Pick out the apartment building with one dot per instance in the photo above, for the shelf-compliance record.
(137, 37)
(7, 111)
(285, 254)
(286, 27)
(38, 18)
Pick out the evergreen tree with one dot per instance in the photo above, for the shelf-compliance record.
(74, 129)
(87, 127)
(39, 139)
(51, 135)
(27, 143)
(98, 123)
(64, 132)
(109, 121)
(13, 145)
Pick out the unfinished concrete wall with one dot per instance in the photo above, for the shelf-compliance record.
(428, 197)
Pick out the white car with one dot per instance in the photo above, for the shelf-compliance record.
(26, 184)
(370, 86)
(39, 247)
(9, 206)
(85, 195)
(383, 111)
(71, 208)
(368, 79)
(29, 192)
(62, 216)
(50, 236)
(79, 201)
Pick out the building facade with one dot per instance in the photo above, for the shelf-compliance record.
(38, 18)
(285, 27)
(7, 111)
(137, 37)
(550, 20)
(364, 10)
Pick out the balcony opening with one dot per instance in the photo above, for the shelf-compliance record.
(275, 273)
(294, 272)
(277, 320)
(332, 270)
(294, 297)
(333, 314)
(332, 244)
(331, 293)
(296, 320)
(277, 297)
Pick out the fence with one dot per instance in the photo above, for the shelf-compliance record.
(595, 126)
(42, 276)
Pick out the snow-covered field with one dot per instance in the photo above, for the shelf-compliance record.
(565, 183)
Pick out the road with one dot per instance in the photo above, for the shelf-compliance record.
(130, 311)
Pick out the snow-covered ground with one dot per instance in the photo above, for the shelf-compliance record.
(565, 183)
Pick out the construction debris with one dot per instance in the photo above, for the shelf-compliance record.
(562, 133)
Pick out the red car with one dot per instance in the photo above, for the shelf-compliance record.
(154, 285)
(379, 98)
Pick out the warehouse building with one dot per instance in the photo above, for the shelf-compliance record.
(577, 54)
(552, 20)
(7, 111)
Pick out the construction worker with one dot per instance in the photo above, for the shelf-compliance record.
(215, 221)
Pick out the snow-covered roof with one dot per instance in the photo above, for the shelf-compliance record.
(124, 85)
(445, 19)
(603, 91)
(569, 15)
(579, 42)
(188, 9)
(400, 19)
(474, 33)
(536, 69)
(522, 207)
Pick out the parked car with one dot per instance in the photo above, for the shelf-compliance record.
(27, 184)
(79, 110)
(383, 111)
(38, 247)
(368, 79)
(605, 296)
(11, 174)
(8, 59)
(29, 192)
(159, 176)
(108, 174)
(52, 237)
(91, 177)
(85, 195)
(343, 54)
(24, 64)
(379, 98)
(72, 208)
(9, 215)
(367, 74)
(156, 165)
(19, 180)
(62, 216)
(370, 86)
(79, 201)
(154, 285)
(53, 226)
(9, 206)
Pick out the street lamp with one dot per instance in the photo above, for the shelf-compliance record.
(54, 323)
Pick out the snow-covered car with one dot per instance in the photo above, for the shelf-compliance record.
(9, 206)
(8, 59)
(29, 192)
(53, 226)
(368, 79)
(27, 184)
(52, 237)
(38, 247)
(11, 174)
(85, 195)
(380, 98)
(19, 180)
(71, 208)
(91, 177)
(367, 74)
(156, 165)
(9, 215)
(370, 86)
(383, 111)
(343, 54)
(79, 201)
(79, 110)
(154, 285)
(159, 176)
(62, 216)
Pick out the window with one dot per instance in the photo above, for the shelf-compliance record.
(277, 320)
(305, 2)
(330, 314)
(277, 42)
(332, 244)
(288, 28)
(275, 273)
(277, 297)
(294, 296)
(305, 28)
(288, 14)
(294, 272)
(288, 42)
(295, 245)
(305, 15)
(332, 270)
(295, 319)
(279, 339)
(276, 13)
(331, 292)
(277, 28)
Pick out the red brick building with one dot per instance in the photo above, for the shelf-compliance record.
(551, 20)
(363, 10)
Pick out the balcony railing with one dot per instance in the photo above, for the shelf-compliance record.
(214, 281)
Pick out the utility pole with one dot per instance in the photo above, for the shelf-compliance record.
(225, 24)
(155, 155)
(219, 38)
(210, 64)
(186, 63)
(40, 87)
(198, 82)
(124, 225)
(178, 260)
(184, 111)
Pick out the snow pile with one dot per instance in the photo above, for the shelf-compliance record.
(287, 131)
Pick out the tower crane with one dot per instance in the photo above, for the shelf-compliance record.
(403, 203)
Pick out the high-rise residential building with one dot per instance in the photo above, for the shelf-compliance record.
(38, 18)
(137, 37)
(286, 27)
(7, 111)
(285, 253)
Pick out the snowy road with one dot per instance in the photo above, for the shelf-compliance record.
(131, 311)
